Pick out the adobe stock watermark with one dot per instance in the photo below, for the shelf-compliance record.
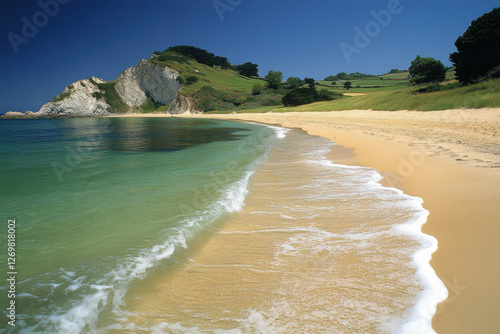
(31, 27)
(407, 166)
(372, 29)
(223, 6)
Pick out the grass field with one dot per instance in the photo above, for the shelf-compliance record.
(485, 94)
(385, 92)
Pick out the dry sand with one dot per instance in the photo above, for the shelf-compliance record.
(449, 158)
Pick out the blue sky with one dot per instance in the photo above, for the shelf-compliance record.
(300, 38)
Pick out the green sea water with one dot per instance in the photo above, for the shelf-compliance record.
(99, 204)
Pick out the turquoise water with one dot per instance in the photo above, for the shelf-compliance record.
(169, 225)
(101, 203)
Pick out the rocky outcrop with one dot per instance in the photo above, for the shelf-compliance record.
(146, 80)
(19, 115)
(133, 88)
(80, 99)
(182, 105)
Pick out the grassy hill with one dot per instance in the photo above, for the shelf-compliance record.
(484, 94)
(214, 88)
(218, 90)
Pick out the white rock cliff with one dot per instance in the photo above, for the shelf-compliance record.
(78, 101)
(145, 80)
(134, 86)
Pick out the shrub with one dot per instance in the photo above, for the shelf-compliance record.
(64, 94)
(300, 96)
(327, 95)
(436, 88)
(191, 80)
(209, 99)
(257, 89)
(98, 95)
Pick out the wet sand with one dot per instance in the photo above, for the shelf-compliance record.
(449, 158)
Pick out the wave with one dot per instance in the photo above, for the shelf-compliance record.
(420, 317)
(87, 298)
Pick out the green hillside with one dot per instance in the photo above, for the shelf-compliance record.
(481, 95)
(214, 87)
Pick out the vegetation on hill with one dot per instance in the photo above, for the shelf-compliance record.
(200, 55)
(248, 69)
(480, 95)
(63, 95)
(110, 95)
(344, 76)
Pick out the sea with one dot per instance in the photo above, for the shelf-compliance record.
(184, 225)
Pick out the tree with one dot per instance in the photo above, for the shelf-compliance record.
(248, 69)
(311, 82)
(273, 79)
(293, 82)
(426, 70)
(200, 55)
(334, 83)
(347, 85)
(478, 49)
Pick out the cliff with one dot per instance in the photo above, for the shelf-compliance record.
(147, 81)
(134, 90)
(181, 79)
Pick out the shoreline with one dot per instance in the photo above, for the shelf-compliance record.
(450, 159)
(436, 156)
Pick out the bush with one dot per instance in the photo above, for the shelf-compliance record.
(64, 94)
(327, 95)
(257, 89)
(436, 88)
(299, 96)
(191, 80)
(98, 95)
(180, 80)
(210, 99)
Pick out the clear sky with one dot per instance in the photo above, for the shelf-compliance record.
(301, 38)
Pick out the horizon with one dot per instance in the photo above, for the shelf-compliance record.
(48, 45)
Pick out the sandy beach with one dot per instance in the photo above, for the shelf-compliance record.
(451, 159)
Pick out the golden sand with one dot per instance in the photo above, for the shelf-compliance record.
(451, 159)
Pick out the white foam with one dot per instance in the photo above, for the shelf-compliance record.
(83, 315)
(279, 131)
(420, 318)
